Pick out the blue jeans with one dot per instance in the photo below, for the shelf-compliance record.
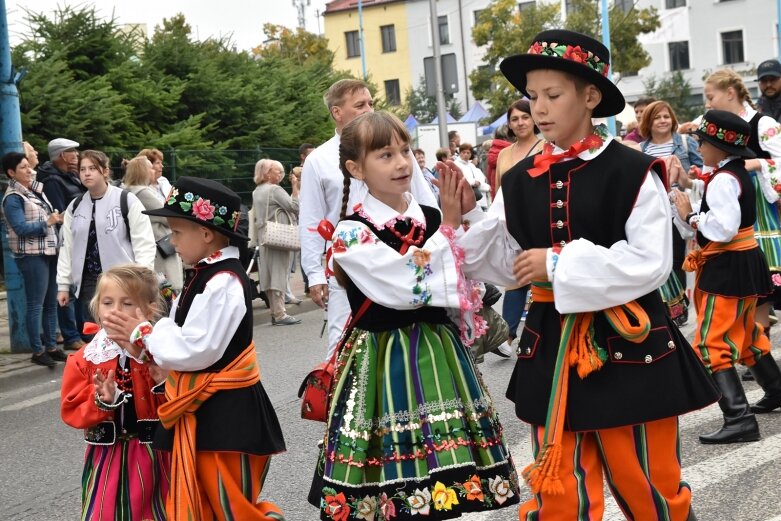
(40, 288)
(512, 308)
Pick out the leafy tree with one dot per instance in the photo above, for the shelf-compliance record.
(676, 91)
(424, 107)
(507, 31)
(297, 45)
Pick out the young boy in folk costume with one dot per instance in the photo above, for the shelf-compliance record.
(218, 419)
(732, 274)
(600, 365)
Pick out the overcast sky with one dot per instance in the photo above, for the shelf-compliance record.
(243, 19)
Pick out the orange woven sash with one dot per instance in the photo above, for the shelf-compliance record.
(696, 259)
(186, 392)
(577, 349)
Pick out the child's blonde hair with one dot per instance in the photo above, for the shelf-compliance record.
(139, 283)
(723, 79)
(367, 132)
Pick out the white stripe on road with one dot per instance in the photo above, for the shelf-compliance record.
(28, 390)
(32, 401)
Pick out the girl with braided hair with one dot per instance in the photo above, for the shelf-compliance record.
(412, 429)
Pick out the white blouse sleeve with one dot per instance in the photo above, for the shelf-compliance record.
(769, 131)
(423, 276)
(589, 277)
(211, 322)
(489, 249)
(722, 220)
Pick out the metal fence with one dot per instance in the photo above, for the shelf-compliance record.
(234, 168)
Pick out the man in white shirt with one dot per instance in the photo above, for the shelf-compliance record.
(322, 186)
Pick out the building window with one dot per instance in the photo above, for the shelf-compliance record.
(353, 44)
(624, 5)
(569, 7)
(672, 4)
(679, 55)
(444, 30)
(477, 14)
(523, 6)
(732, 46)
(388, 38)
(392, 92)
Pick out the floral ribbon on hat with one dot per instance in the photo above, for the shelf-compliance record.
(574, 53)
(203, 209)
(728, 136)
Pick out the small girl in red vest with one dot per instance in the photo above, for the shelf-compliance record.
(114, 396)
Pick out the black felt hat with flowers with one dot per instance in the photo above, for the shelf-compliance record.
(204, 202)
(570, 52)
(726, 131)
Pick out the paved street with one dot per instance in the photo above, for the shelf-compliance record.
(40, 458)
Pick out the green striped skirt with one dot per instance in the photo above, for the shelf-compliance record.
(674, 297)
(412, 431)
(766, 227)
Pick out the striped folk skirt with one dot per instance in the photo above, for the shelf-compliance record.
(126, 481)
(766, 228)
(412, 432)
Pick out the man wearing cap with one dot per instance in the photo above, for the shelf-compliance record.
(59, 175)
(769, 79)
(61, 184)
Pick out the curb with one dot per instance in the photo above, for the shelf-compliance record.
(11, 363)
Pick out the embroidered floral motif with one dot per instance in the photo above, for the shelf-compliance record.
(420, 265)
(366, 508)
(336, 507)
(420, 502)
(770, 133)
(572, 53)
(501, 489)
(214, 257)
(387, 507)
(202, 209)
(443, 497)
(473, 489)
(776, 278)
(358, 208)
(728, 136)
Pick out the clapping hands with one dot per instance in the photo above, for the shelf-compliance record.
(455, 195)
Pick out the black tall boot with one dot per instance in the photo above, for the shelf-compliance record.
(768, 376)
(739, 423)
(691, 517)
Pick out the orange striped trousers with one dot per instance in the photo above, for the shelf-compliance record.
(727, 333)
(641, 464)
(230, 483)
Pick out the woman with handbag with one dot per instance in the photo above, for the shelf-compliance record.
(275, 216)
(139, 174)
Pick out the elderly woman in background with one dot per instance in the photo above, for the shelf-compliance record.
(658, 127)
(32, 238)
(95, 234)
(272, 203)
(160, 185)
(139, 174)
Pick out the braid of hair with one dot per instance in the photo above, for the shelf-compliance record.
(744, 94)
(345, 197)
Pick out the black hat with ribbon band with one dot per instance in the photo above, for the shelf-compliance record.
(204, 202)
(570, 52)
(726, 131)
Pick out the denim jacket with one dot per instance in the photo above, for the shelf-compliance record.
(688, 157)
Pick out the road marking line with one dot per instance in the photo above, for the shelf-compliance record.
(28, 390)
(32, 401)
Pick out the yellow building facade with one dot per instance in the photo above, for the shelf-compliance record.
(386, 43)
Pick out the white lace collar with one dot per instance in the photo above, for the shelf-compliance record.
(381, 215)
(102, 349)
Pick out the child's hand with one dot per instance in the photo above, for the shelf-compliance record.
(157, 374)
(682, 203)
(531, 265)
(119, 325)
(105, 387)
(450, 188)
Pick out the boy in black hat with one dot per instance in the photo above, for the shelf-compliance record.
(218, 420)
(732, 274)
(600, 365)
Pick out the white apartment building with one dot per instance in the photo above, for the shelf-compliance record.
(700, 36)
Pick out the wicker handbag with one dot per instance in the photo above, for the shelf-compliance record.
(277, 235)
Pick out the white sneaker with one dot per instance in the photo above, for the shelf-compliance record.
(505, 350)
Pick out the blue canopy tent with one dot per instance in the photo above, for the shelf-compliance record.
(411, 123)
(449, 119)
(474, 114)
(501, 120)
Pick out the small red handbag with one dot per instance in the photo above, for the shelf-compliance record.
(315, 390)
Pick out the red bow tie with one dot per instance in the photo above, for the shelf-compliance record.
(543, 161)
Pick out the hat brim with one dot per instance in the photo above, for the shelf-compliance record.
(166, 212)
(774, 74)
(730, 149)
(515, 68)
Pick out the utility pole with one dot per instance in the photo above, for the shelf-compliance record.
(11, 141)
(360, 39)
(438, 83)
(611, 121)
